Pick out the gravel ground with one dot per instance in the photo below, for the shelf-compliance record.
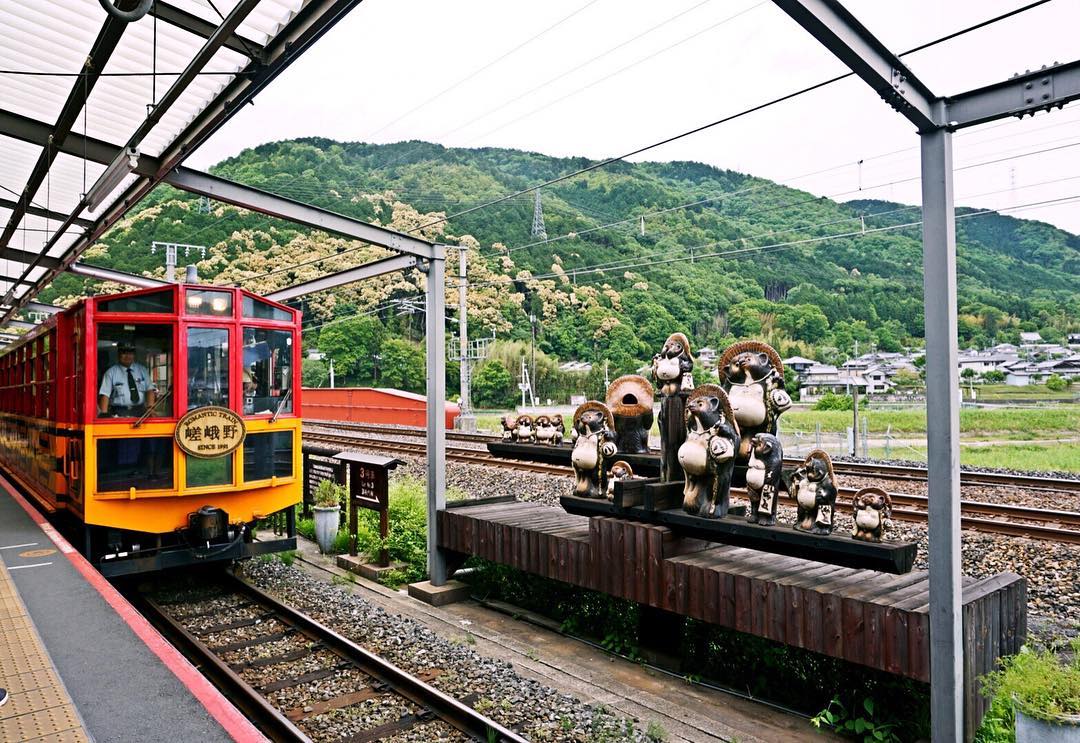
(537, 711)
(1051, 568)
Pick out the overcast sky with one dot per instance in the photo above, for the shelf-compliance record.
(603, 77)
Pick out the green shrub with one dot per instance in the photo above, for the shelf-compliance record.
(1056, 383)
(829, 401)
(1041, 684)
(306, 528)
(329, 494)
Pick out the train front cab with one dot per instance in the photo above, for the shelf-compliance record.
(148, 504)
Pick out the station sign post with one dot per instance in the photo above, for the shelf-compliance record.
(369, 487)
(320, 464)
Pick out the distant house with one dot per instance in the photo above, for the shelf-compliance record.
(799, 364)
(707, 356)
(1073, 339)
(820, 379)
(576, 366)
(1023, 373)
(981, 363)
(1030, 339)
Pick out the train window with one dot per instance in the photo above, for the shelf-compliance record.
(143, 464)
(208, 367)
(153, 302)
(203, 302)
(268, 455)
(259, 310)
(267, 371)
(134, 364)
(203, 472)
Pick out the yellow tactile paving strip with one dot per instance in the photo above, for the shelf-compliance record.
(38, 707)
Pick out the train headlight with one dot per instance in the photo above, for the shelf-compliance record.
(219, 304)
(194, 301)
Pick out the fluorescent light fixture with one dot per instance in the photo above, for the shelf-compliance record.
(118, 169)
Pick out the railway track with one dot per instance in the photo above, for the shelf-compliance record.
(995, 518)
(300, 681)
(854, 469)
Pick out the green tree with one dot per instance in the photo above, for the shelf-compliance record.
(402, 365)
(492, 386)
(993, 376)
(968, 373)
(352, 344)
(314, 373)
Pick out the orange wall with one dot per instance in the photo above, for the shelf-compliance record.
(368, 405)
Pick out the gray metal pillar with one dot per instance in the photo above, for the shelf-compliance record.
(466, 420)
(436, 409)
(943, 438)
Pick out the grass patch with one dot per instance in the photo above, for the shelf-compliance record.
(1059, 419)
(1064, 457)
(1007, 392)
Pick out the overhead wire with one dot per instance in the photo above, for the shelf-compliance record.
(726, 119)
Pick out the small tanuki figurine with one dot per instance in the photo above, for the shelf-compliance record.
(595, 442)
(753, 376)
(546, 432)
(620, 470)
(630, 400)
(671, 368)
(763, 478)
(524, 433)
(814, 488)
(707, 456)
(872, 507)
(509, 423)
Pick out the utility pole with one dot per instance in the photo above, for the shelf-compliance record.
(331, 374)
(466, 421)
(171, 250)
(532, 349)
(855, 421)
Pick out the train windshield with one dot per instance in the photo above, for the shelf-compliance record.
(267, 371)
(134, 362)
(208, 367)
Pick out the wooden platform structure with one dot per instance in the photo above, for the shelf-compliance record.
(862, 616)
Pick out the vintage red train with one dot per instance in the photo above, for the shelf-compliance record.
(161, 423)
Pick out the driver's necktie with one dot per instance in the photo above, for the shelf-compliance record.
(133, 389)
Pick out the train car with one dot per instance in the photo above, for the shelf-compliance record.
(161, 423)
(372, 405)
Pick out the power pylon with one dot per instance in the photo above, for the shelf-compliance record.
(538, 218)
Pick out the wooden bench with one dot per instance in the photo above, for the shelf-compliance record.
(874, 619)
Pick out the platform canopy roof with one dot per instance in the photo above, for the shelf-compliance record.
(86, 129)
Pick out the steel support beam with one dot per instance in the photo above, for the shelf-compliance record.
(436, 411)
(49, 309)
(842, 34)
(94, 150)
(943, 438)
(104, 45)
(37, 211)
(193, 24)
(1041, 90)
(350, 276)
(108, 274)
(263, 202)
(313, 20)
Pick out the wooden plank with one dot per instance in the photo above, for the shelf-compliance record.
(919, 646)
(641, 564)
(670, 591)
(970, 642)
(656, 570)
(618, 557)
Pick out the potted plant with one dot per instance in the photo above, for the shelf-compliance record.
(328, 497)
(1044, 690)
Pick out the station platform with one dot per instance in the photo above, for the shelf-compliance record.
(79, 662)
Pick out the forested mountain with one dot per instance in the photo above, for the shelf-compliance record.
(718, 255)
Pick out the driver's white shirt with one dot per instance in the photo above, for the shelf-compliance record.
(114, 384)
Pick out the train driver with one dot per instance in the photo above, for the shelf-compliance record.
(126, 389)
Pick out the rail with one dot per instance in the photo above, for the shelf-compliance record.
(381, 676)
(993, 518)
